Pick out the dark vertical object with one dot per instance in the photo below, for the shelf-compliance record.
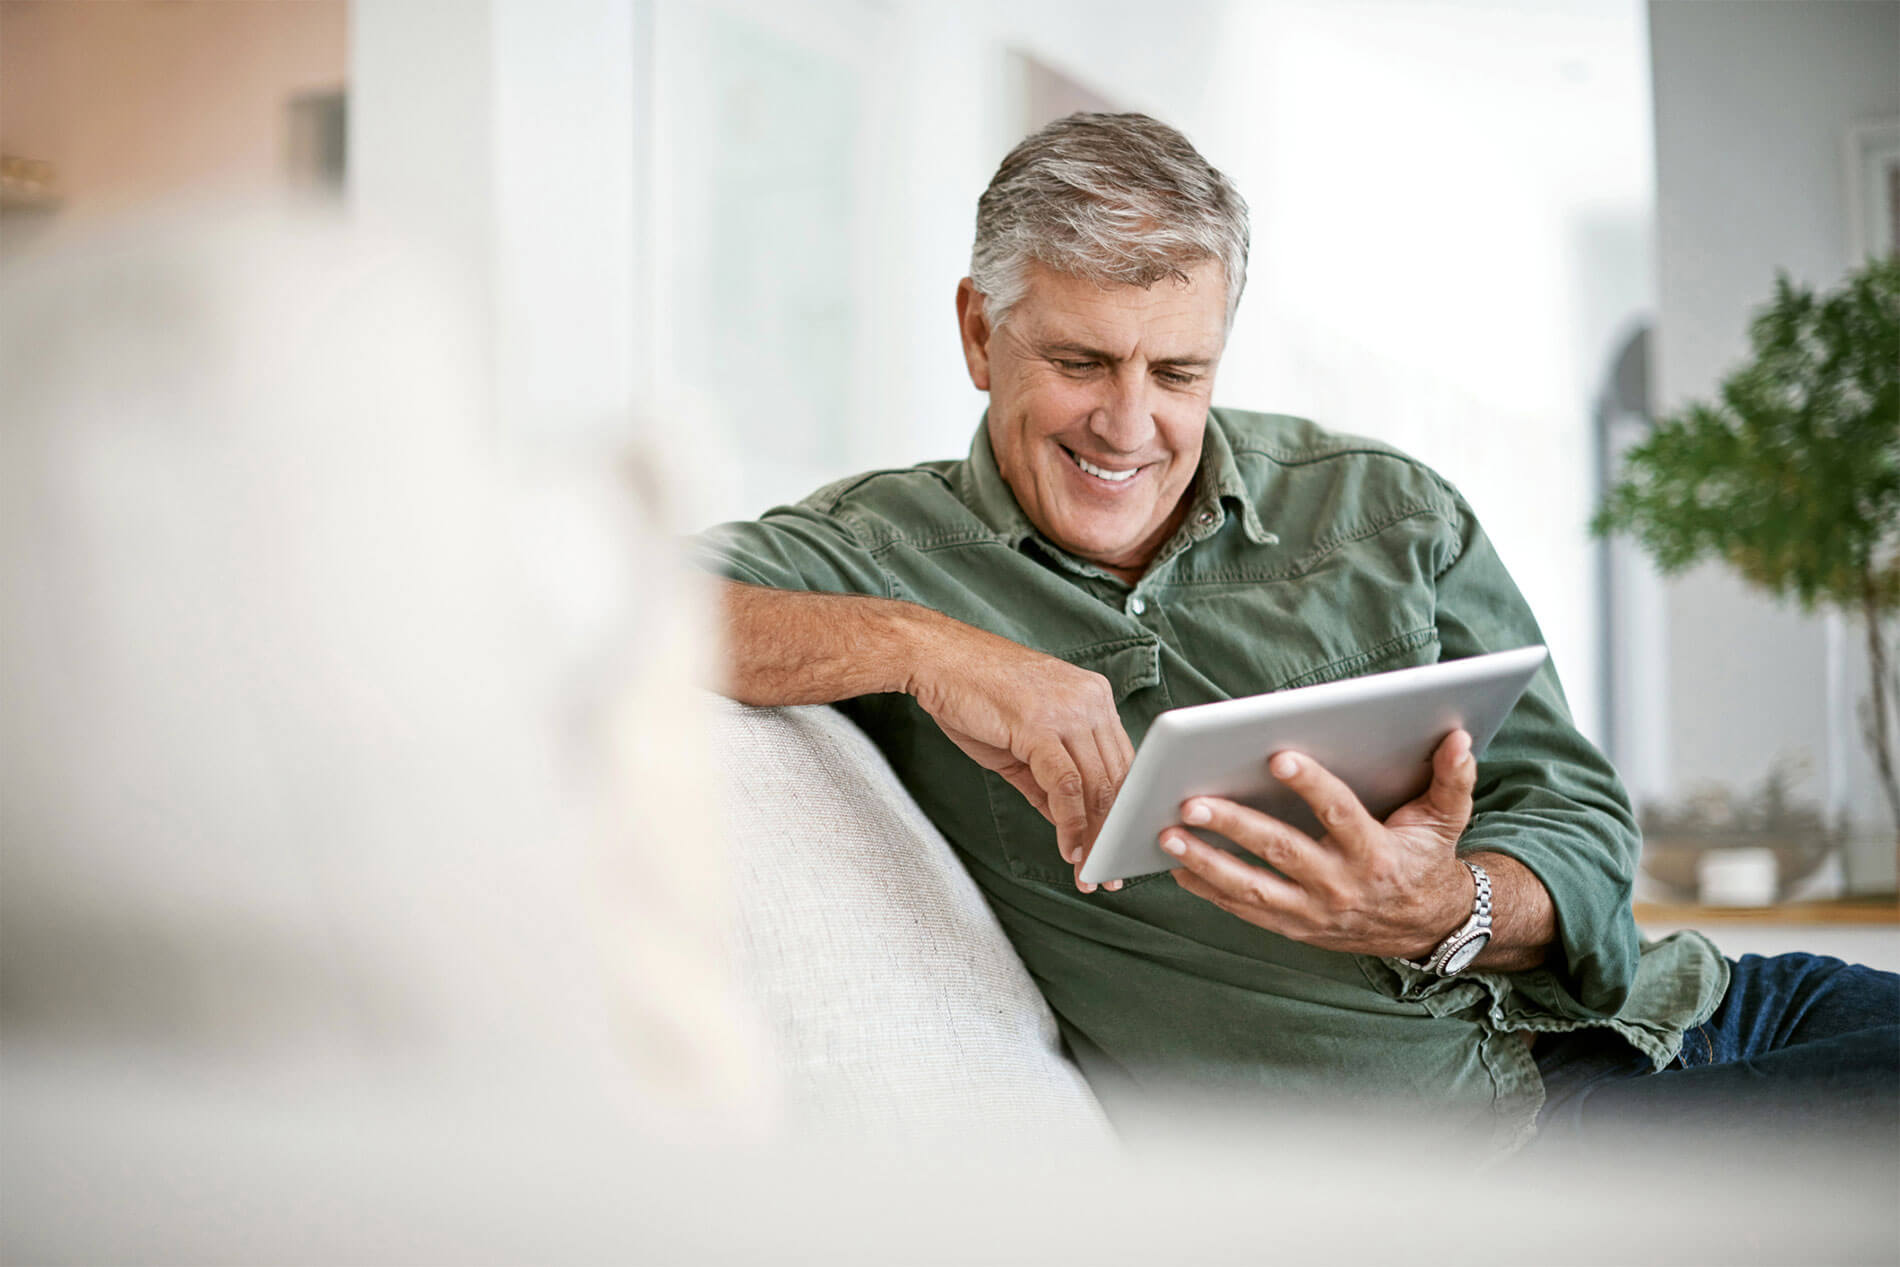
(316, 146)
(1622, 417)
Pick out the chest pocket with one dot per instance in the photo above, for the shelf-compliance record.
(1025, 839)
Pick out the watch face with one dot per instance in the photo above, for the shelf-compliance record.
(1460, 959)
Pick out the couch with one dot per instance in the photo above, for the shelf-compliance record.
(893, 1004)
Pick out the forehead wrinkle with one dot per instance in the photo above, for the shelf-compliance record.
(1052, 297)
(1120, 346)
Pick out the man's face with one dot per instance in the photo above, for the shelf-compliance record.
(1098, 400)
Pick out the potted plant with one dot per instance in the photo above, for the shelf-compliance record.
(1791, 475)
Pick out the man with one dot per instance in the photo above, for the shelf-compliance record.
(1007, 626)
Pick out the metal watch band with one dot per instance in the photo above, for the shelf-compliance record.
(1474, 928)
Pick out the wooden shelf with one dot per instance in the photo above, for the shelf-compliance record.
(1843, 911)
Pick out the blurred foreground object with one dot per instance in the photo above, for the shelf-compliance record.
(351, 769)
(1792, 476)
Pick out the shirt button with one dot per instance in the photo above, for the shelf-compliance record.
(1137, 605)
(1204, 518)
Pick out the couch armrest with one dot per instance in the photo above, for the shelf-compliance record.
(893, 1000)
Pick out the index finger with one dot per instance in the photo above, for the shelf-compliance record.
(1114, 751)
(1342, 818)
(1056, 773)
(1098, 792)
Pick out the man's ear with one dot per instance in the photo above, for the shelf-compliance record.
(974, 325)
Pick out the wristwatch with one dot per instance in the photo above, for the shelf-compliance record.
(1454, 954)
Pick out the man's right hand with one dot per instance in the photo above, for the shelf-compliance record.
(1049, 728)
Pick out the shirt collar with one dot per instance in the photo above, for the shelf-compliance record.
(1217, 484)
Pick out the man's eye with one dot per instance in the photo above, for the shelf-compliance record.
(1176, 378)
(1075, 367)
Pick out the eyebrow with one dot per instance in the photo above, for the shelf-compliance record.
(1081, 351)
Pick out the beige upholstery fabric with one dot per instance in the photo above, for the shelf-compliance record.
(895, 1003)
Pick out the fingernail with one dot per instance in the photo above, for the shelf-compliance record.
(1284, 766)
(1196, 813)
(1113, 886)
(1072, 855)
(1174, 845)
(1086, 886)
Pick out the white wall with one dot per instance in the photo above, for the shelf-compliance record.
(502, 137)
(1753, 101)
(1450, 203)
(1450, 215)
(565, 163)
(421, 136)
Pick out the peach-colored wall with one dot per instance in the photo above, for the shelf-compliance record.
(143, 99)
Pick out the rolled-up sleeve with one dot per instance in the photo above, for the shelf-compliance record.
(1546, 797)
(792, 548)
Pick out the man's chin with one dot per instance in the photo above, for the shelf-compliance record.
(1104, 548)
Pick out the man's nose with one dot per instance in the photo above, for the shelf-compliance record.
(1123, 419)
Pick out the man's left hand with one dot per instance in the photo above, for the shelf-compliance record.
(1391, 889)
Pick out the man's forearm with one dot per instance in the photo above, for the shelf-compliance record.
(1523, 921)
(1047, 727)
(792, 647)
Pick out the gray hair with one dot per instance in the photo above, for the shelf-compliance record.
(1119, 199)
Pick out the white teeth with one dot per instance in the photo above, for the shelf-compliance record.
(1113, 477)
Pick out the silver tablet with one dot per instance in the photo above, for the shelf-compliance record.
(1376, 733)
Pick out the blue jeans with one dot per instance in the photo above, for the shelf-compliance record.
(1801, 1045)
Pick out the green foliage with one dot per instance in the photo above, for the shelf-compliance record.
(1792, 475)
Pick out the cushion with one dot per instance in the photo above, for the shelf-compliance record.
(893, 1001)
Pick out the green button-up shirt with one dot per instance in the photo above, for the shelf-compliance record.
(1305, 557)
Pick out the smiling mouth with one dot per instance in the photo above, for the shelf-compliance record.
(1101, 472)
